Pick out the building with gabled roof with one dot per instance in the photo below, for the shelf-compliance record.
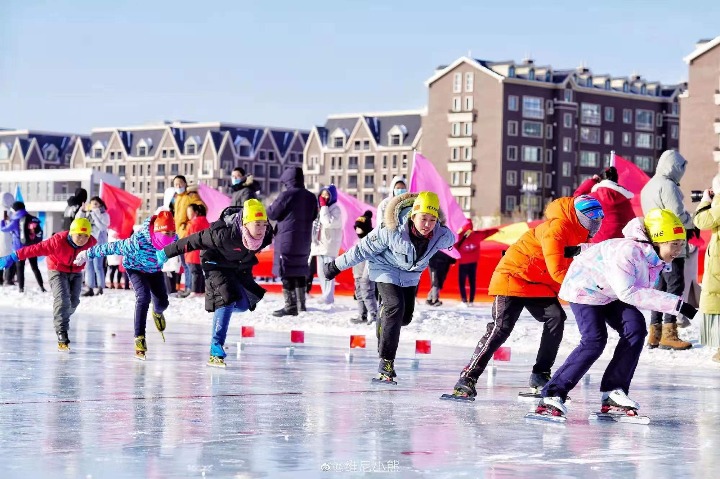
(32, 150)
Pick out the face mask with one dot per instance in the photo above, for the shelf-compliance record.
(236, 181)
(160, 240)
(180, 191)
(400, 191)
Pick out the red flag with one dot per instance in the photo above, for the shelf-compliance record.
(632, 178)
(422, 346)
(247, 332)
(122, 208)
(357, 341)
(502, 354)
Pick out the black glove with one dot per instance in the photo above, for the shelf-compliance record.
(688, 310)
(571, 251)
(330, 270)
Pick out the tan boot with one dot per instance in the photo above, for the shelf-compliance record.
(654, 336)
(716, 358)
(670, 340)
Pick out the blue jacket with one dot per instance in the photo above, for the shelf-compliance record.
(388, 250)
(137, 251)
(13, 227)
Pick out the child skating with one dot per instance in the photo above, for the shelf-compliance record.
(65, 278)
(397, 253)
(229, 248)
(140, 261)
(605, 286)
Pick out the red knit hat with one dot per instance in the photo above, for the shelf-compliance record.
(164, 222)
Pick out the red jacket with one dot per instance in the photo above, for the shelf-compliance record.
(469, 244)
(615, 201)
(60, 254)
(195, 226)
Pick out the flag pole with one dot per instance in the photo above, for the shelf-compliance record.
(612, 157)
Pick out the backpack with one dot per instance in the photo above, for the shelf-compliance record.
(31, 231)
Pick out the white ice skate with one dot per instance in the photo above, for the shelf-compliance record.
(618, 407)
(549, 409)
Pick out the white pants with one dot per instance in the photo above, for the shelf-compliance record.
(326, 286)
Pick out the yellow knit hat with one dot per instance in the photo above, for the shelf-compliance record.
(253, 210)
(426, 202)
(80, 226)
(664, 226)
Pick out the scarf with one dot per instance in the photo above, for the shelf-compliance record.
(249, 242)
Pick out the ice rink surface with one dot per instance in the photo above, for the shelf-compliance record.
(99, 413)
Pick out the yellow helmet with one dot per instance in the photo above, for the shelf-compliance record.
(80, 226)
(426, 202)
(253, 210)
(664, 226)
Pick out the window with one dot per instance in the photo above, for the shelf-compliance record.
(190, 149)
(589, 114)
(606, 160)
(455, 154)
(590, 159)
(134, 170)
(674, 132)
(4, 151)
(567, 120)
(468, 103)
(338, 142)
(627, 116)
(548, 156)
(533, 107)
(366, 145)
(384, 163)
(590, 135)
(658, 142)
(608, 137)
(141, 186)
(513, 103)
(566, 170)
(357, 145)
(468, 153)
(456, 103)
(171, 153)
(457, 83)
(548, 132)
(626, 139)
(112, 155)
(512, 153)
(567, 144)
(609, 113)
(395, 140)
(468, 129)
(566, 191)
(644, 119)
(548, 180)
(370, 162)
(607, 86)
(109, 169)
(404, 161)
(140, 170)
(511, 72)
(394, 162)
(275, 186)
(352, 162)
(531, 154)
(532, 129)
(510, 203)
(97, 152)
(626, 87)
(455, 178)
(456, 129)
(160, 169)
(121, 170)
(274, 171)
(271, 155)
(568, 95)
(164, 153)
(643, 140)
(262, 155)
(467, 178)
(369, 198)
(511, 178)
(160, 187)
(531, 74)
(369, 181)
(675, 108)
(469, 80)
(512, 128)
(259, 169)
(658, 119)
(645, 163)
(352, 181)
(208, 167)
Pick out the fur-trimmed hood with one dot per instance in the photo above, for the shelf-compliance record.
(613, 186)
(395, 215)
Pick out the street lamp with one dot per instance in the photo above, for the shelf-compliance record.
(529, 187)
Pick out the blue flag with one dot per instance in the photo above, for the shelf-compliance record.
(18, 194)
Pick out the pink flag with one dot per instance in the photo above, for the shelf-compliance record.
(425, 177)
(214, 200)
(351, 209)
(632, 178)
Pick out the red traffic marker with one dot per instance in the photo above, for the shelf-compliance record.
(247, 332)
(357, 341)
(422, 346)
(502, 354)
(297, 336)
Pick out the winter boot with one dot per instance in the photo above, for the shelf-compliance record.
(670, 340)
(359, 320)
(99, 292)
(616, 401)
(539, 380)
(387, 369)
(140, 347)
(551, 406)
(63, 341)
(89, 292)
(290, 308)
(159, 319)
(654, 335)
(465, 387)
(300, 292)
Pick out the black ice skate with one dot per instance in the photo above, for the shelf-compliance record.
(63, 342)
(464, 390)
(387, 372)
(537, 382)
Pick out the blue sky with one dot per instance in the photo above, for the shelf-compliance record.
(73, 65)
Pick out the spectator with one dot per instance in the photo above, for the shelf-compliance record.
(18, 226)
(364, 286)
(184, 197)
(615, 201)
(6, 241)
(113, 262)
(243, 187)
(707, 217)
(99, 218)
(198, 222)
(398, 186)
(327, 236)
(468, 246)
(74, 204)
(439, 266)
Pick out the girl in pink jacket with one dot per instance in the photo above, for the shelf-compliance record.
(606, 284)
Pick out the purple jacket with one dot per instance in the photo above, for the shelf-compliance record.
(13, 227)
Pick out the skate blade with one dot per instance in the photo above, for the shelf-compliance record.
(383, 381)
(624, 418)
(529, 395)
(546, 418)
(140, 356)
(64, 350)
(452, 397)
(163, 336)
(216, 365)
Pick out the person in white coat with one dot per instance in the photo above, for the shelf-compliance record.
(327, 236)
(96, 212)
(6, 245)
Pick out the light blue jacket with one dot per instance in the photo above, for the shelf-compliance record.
(388, 250)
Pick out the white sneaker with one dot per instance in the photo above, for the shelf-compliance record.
(618, 398)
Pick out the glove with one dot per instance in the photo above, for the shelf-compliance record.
(330, 270)
(161, 257)
(323, 201)
(688, 310)
(7, 261)
(81, 258)
(572, 251)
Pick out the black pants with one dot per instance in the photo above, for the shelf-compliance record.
(292, 282)
(115, 273)
(147, 286)
(7, 276)
(671, 282)
(35, 269)
(398, 304)
(198, 278)
(467, 272)
(506, 311)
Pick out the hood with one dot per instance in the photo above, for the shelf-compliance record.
(395, 181)
(333, 194)
(613, 186)
(81, 196)
(635, 230)
(563, 209)
(8, 199)
(19, 214)
(397, 211)
(293, 177)
(671, 165)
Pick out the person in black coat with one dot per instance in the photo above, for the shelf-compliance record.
(243, 187)
(229, 248)
(74, 203)
(295, 209)
(439, 266)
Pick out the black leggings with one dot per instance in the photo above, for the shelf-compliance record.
(467, 272)
(35, 269)
(398, 305)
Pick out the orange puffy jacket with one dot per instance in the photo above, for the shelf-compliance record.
(535, 265)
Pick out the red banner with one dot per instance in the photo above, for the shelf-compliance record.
(122, 208)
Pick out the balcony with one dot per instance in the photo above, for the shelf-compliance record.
(461, 191)
(468, 141)
(461, 116)
(468, 165)
(716, 155)
(314, 170)
(717, 97)
(717, 126)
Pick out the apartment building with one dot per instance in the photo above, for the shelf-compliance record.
(147, 157)
(700, 121)
(360, 153)
(493, 127)
(34, 150)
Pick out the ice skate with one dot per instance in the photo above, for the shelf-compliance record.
(63, 347)
(140, 348)
(550, 409)
(464, 390)
(63, 342)
(386, 372)
(159, 323)
(618, 407)
(216, 362)
(537, 382)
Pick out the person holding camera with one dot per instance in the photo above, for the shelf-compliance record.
(615, 201)
(707, 217)
(663, 191)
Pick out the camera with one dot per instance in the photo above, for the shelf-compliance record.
(696, 196)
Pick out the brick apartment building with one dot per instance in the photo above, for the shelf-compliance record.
(146, 158)
(360, 153)
(493, 126)
(700, 121)
(33, 150)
